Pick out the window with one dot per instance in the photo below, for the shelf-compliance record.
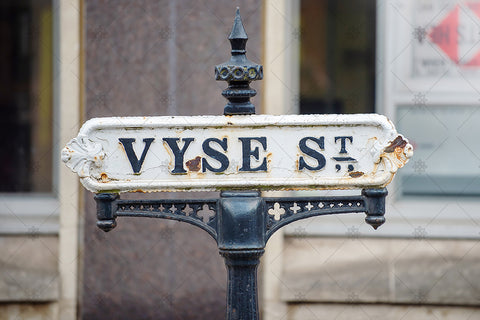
(417, 62)
(26, 127)
(447, 153)
(337, 56)
(436, 95)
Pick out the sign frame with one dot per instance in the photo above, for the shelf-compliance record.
(86, 156)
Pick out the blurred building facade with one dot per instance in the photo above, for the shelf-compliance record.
(418, 62)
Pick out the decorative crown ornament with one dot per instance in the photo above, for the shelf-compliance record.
(238, 72)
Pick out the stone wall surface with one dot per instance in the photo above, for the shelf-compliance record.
(28, 311)
(28, 268)
(379, 312)
(29, 280)
(148, 58)
(390, 271)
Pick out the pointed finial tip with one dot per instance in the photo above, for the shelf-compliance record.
(238, 31)
(238, 17)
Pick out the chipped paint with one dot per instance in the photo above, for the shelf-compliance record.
(356, 174)
(104, 177)
(396, 154)
(194, 164)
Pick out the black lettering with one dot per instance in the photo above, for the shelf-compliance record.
(178, 153)
(132, 157)
(215, 154)
(247, 153)
(311, 153)
(343, 139)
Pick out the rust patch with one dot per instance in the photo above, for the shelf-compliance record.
(356, 174)
(398, 142)
(194, 164)
(396, 153)
(104, 177)
(269, 157)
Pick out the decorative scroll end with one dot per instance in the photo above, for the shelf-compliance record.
(81, 155)
(396, 153)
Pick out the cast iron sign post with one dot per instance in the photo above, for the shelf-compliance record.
(239, 154)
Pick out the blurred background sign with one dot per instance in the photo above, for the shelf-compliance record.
(446, 34)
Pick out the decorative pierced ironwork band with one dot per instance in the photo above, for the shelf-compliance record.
(278, 212)
(202, 213)
(282, 211)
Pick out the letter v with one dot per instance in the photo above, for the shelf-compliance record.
(132, 157)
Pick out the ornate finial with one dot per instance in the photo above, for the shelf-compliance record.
(238, 72)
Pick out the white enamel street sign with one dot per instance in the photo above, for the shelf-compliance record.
(236, 152)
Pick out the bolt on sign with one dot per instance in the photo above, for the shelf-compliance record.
(236, 152)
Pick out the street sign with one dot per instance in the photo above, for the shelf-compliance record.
(236, 152)
(239, 154)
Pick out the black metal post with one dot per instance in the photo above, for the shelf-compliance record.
(242, 295)
(241, 241)
(241, 222)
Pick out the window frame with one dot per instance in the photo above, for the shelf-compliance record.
(36, 212)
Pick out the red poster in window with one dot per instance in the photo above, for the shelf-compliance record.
(458, 36)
